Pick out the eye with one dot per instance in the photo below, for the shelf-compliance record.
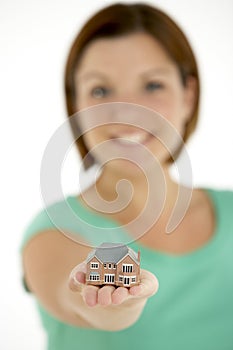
(99, 92)
(153, 85)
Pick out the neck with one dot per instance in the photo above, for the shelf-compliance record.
(136, 189)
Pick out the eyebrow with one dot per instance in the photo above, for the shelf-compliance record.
(91, 75)
(97, 74)
(160, 70)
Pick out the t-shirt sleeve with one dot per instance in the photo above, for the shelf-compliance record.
(228, 208)
(40, 222)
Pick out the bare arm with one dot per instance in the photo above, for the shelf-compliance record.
(49, 259)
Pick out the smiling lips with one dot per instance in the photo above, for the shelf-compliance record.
(132, 139)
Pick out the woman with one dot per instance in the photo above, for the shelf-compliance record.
(135, 55)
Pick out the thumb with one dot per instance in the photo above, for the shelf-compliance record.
(77, 277)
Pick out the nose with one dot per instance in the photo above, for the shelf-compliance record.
(126, 97)
(131, 115)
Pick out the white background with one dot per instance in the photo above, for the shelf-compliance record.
(34, 39)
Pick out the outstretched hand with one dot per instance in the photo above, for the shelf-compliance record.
(111, 295)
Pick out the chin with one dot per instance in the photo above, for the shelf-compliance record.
(127, 168)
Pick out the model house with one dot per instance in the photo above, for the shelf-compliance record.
(113, 263)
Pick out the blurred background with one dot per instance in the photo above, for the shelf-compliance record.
(35, 37)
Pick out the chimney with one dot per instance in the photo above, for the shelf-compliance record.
(139, 256)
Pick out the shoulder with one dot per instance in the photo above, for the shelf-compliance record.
(222, 192)
(222, 197)
(51, 217)
(222, 202)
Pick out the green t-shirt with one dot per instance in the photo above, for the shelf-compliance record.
(193, 308)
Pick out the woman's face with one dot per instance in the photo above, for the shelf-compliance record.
(133, 69)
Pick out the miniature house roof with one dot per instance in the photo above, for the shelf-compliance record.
(112, 252)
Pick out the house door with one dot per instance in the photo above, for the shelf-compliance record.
(126, 281)
(109, 278)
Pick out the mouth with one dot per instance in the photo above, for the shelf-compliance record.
(133, 139)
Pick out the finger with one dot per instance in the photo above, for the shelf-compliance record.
(77, 277)
(77, 281)
(90, 295)
(136, 290)
(148, 285)
(105, 295)
(119, 295)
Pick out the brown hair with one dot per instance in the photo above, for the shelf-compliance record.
(120, 19)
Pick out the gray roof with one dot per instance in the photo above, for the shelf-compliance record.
(112, 253)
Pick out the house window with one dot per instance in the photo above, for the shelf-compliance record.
(114, 266)
(109, 266)
(127, 267)
(109, 278)
(94, 265)
(105, 266)
(133, 279)
(120, 278)
(126, 281)
(94, 277)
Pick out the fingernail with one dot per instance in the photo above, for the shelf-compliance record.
(75, 281)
